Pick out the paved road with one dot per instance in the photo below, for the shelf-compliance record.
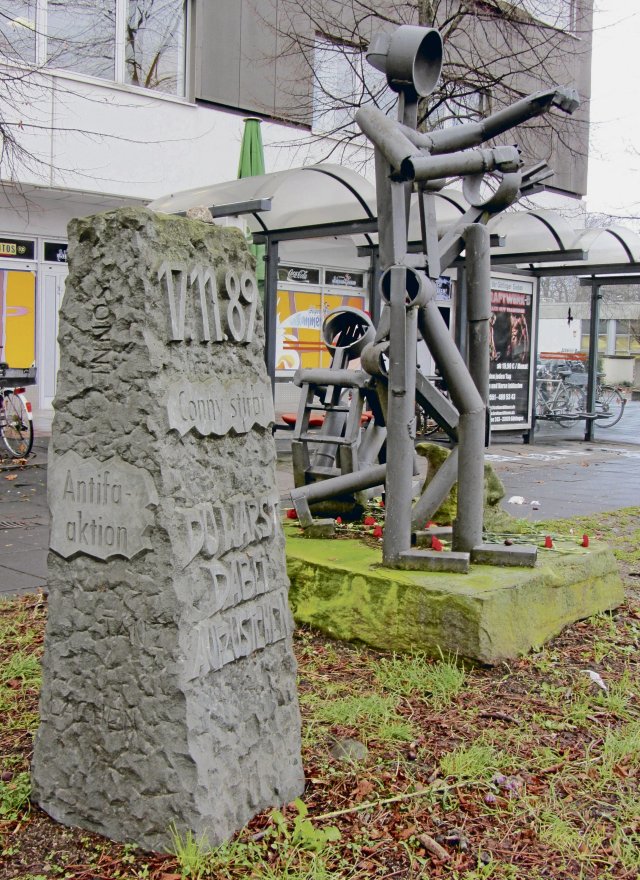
(562, 473)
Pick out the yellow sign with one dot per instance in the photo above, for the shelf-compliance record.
(299, 329)
(18, 317)
(7, 249)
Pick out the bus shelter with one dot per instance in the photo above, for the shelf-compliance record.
(328, 214)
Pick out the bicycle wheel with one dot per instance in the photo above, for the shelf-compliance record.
(609, 406)
(573, 402)
(17, 429)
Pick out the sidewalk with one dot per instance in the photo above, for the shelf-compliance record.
(562, 473)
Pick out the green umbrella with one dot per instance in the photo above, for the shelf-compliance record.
(250, 165)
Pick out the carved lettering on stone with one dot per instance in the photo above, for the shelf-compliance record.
(100, 508)
(169, 681)
(211, 409)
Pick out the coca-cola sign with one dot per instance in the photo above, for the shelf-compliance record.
(299, 274)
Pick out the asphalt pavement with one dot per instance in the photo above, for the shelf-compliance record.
(559, 475)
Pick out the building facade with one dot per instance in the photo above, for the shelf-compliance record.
(117, 102)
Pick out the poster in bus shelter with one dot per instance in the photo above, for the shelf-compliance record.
(17, 317)
(511, 328)
(299, 328)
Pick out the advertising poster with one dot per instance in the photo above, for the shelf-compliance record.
(299, 329)
(510, 341)
(17, 318)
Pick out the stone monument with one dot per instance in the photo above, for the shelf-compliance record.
(169, 689)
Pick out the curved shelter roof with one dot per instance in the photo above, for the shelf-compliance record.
(329, 200)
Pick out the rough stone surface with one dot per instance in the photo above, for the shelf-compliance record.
(169, 691)
(489, 614)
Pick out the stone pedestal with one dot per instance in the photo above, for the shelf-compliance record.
(169, 692)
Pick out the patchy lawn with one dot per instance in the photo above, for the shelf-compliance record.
(414, 768)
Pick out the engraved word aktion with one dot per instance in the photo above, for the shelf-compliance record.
(100, 508)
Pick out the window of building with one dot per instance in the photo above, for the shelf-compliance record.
(560, 14)
(603, 329)
(627, 336)
(138, 42)
(461, 108)
(18, 30)
(81, 36)
(343, 80)
(155, 47)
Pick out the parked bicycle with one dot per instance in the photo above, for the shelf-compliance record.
(16, 419)
(561, 397)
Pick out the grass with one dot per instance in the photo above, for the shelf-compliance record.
(440, 682)
(523, 770)
(371, 716)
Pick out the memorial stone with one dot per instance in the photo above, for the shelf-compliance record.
(169, 688)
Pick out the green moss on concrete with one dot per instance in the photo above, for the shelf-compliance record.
(436, 455)
(488, 615)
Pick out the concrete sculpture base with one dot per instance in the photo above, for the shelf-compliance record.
(488, 615)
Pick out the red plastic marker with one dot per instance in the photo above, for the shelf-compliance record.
(548, 543)
(585, 540)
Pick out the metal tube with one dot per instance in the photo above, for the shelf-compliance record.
(436, 491)
(478, 161)
(385, 134)
(478, 271)
(594, 328)
(354, 482)
(327, 376)
(401, 420)
(435, 332)
(467, 529)
(270, 309)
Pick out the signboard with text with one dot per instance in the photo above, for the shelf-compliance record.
(511, 329)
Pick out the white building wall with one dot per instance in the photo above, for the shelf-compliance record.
(555, 334)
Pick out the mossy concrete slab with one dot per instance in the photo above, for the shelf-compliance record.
(490, 614)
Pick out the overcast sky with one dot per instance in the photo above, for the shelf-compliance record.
(614, 161)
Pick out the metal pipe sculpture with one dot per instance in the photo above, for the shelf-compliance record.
(411, 58)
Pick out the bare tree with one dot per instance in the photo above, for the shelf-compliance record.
(495, 52)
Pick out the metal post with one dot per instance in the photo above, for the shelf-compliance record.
(478, 270)
(467, 532)
(270, 308)
(528, 437)
(401, 421)
(460, 328)
(592, 383)
(374, 278)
